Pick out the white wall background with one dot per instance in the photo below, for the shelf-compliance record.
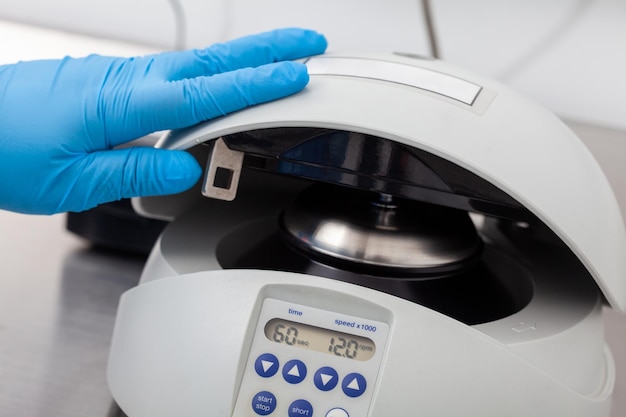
(569, 55)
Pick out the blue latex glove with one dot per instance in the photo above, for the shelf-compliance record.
(60, 119)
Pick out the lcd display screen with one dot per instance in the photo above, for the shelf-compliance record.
(319, 339)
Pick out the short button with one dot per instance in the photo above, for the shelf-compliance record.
(264, 403)
(294, 371)
(300, 408)
(326, 378)
(354, 385)
(266, 365)
(337, 412)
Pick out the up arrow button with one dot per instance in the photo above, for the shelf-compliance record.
(294, 371)
(354, 385)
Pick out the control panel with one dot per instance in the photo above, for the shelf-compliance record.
(307, 362)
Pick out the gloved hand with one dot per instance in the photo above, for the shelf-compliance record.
(60, 119)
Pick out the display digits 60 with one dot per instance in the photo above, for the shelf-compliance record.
(319, 339)
(284, 334)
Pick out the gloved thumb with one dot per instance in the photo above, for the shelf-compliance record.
(132, 172)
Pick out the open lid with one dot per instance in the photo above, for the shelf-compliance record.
(477, 124)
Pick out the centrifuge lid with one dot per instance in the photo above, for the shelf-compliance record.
(478, 124)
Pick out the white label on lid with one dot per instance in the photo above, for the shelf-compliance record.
(433, 81)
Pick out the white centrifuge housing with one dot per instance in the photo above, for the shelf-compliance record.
(401, 238)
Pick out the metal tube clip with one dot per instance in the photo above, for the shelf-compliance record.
(222, 172)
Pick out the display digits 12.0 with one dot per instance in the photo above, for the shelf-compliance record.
(345, 348)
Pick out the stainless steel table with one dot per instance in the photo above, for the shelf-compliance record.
(58, 299)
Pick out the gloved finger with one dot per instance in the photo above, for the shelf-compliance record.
(177, 104)
(132, 172)
(249, 51)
